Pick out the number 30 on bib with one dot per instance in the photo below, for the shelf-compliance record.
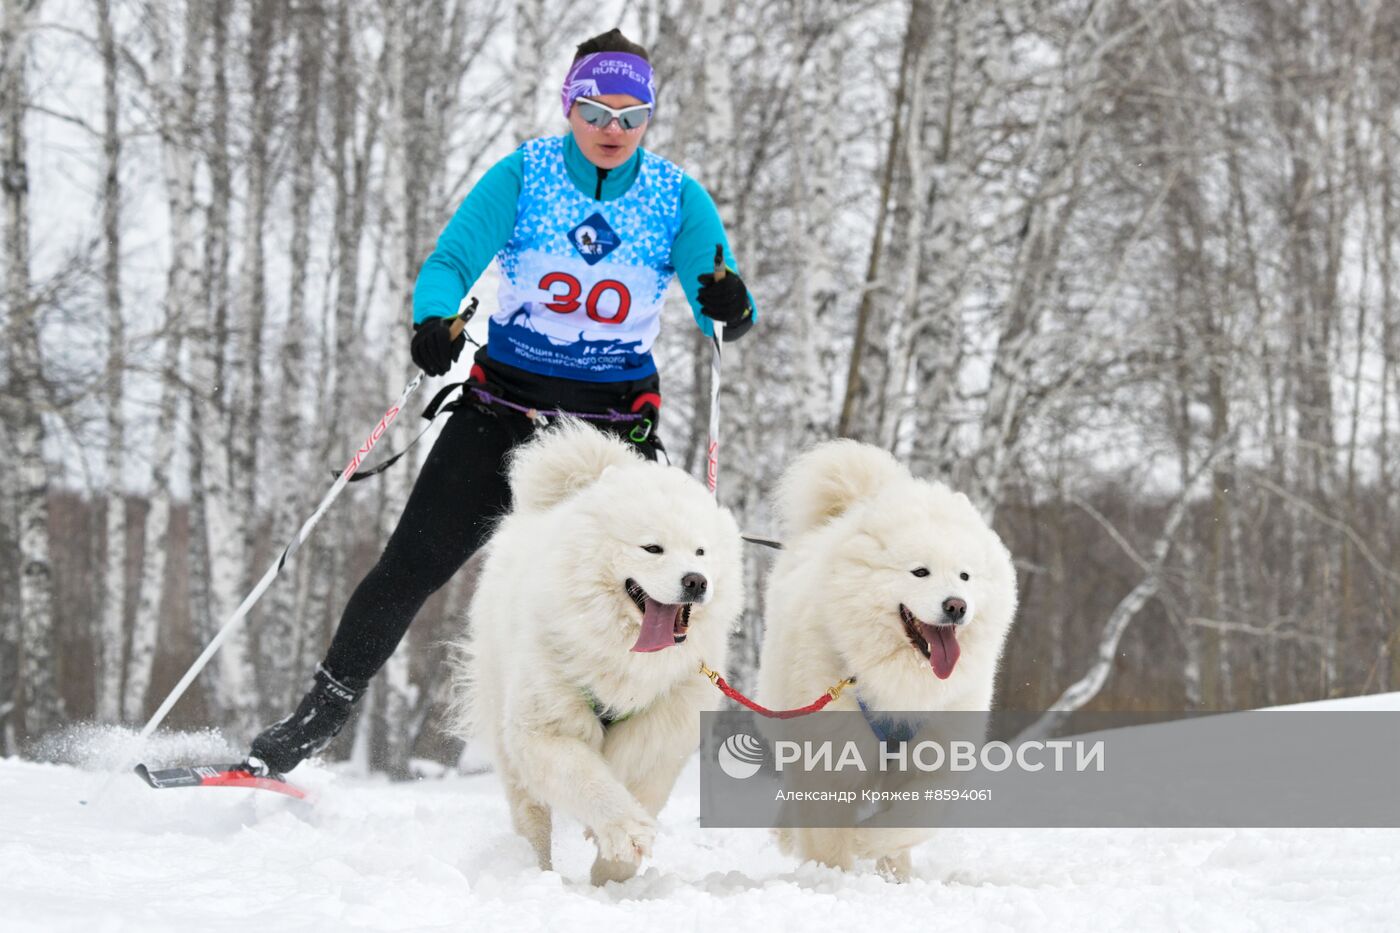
(565, 290)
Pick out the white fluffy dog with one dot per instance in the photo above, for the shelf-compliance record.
(895, 581)
(601, 592)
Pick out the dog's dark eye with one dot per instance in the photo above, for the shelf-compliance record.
(699, 552)
(653, 548)
(920, 572)
(964, 576)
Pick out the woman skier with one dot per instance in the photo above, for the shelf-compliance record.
(588, 229)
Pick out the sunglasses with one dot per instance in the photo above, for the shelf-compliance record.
(600, 115)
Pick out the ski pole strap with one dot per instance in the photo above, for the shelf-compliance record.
(457, 328)
(376, 470)
(832, 693)
(435, 408)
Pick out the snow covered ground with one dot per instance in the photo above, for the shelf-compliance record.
(439, 854)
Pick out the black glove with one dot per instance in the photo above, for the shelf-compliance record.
(434, 350)
(726, 301)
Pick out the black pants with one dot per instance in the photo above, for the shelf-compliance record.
(458, 495)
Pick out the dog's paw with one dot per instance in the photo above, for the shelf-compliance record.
(605, 870)
(626, 840)
(895, 868)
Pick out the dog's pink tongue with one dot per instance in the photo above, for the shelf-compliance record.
(943, 648)
(658, 626)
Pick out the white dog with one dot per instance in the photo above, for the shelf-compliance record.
(602, 591)
(895, 581)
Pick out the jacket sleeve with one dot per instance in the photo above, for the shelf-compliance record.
(693, 252)
(478, 230)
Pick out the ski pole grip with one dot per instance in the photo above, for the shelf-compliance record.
(719, 261)
(459, 323)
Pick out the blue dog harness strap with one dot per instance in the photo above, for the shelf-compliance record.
(887, 728)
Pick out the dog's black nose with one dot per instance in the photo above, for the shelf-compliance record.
(694, 585)
(954, 608)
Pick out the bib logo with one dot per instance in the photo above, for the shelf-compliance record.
(594, 239)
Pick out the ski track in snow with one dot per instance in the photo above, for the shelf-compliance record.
(440, 855)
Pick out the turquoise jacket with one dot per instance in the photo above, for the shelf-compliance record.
(486, 218)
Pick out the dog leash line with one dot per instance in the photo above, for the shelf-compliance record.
(832, 693)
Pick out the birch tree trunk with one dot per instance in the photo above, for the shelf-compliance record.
(217, 516)
(209, 380)
(912, 226)
(530, 36)
(281, 630)
(925, 421)
(217, 290)
(112, 627)
(861, 384)
(177, 96)
(815, 272)
(245, 418)
(24, 396)
(10, 685)
(1312, 264)
(1390, 367)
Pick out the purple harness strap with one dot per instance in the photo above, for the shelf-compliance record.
(535, 413)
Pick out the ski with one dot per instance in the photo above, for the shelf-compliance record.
(234, 775)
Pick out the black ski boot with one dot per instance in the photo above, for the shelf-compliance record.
(319, 717)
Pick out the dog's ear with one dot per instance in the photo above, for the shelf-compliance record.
(563, 460)
(827, 480)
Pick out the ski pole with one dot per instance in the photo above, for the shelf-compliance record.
(712, 452)
(458, 325)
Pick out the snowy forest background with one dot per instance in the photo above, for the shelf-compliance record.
(1123, 271)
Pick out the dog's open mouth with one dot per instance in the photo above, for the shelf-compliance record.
(663, 624)
(938, 643)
